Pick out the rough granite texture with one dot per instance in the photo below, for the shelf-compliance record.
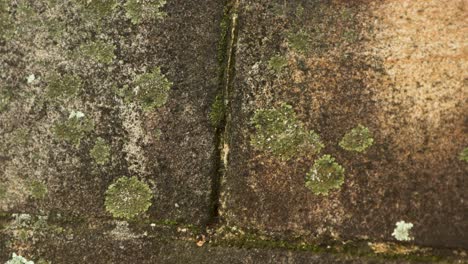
(77, 112)
(170, 147)
(396, 67)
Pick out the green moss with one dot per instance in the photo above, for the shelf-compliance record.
(128, 197)
(38, 190)
(277, 63)
(139, 11)
(279, 132)
(6, 24)
(3, 191)
(99, 8)
(63, 87)
(151, 90)
(325, 175)
(299, 41)
(217, 111)
(73, 129)
(98, 51)
(100, 151)
(223, 40)
(464, 155)
(358, 139)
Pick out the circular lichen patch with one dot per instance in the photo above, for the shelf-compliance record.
(38, 190)
(100, 151)
(64, 86)
(358, 139)
(128, 197)
(99, 51)
(140, 11)
(73, 129)
(151, 89)
(279, 132)
(100, 8)
(326, 174)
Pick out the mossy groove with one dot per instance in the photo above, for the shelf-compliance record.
(220, 107)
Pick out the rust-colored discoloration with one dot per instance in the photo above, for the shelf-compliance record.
(393, 74)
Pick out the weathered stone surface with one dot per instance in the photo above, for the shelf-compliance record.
(101, 245)
(334, 120)
(396, 67)
(170, 147)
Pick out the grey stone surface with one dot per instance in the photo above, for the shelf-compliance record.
(171, 147)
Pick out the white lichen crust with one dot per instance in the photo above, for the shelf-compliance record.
(402, 231)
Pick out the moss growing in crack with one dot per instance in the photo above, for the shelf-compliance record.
(98, 51)
(299, 41)
(38, 190)
(151, 89)
(73, 129)
(358, 139)
(463, 156)
(127, 198)
(217, 111)
(277, 63)
(279, 132)
(325, 174)
(63, 87)
(100, 151)
(139, 11)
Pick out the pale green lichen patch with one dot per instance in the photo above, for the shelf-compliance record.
(98, 51)
(151, 89)
(144, 10)
(217, 111)
(463, 156)
(30, 78)
(63, 86)
(325, 174)
(299, 41)
(127, 198)
(277, 63)
(100, 151)
(402, 231)
(38, 190)
(279, 132)
(73, 129)
(358, 139)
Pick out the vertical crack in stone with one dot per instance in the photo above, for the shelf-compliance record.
(226, 59)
